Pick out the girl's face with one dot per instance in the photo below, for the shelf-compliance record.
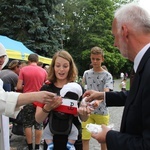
(61, 68)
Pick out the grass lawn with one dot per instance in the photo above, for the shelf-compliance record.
(128, 84)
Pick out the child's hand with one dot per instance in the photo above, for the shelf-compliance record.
(94, 104)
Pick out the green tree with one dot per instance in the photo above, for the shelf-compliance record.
(33, 22)
(90, 25)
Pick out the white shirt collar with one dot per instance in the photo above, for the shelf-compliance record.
(139, 56)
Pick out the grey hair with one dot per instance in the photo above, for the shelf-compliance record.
(135, 16)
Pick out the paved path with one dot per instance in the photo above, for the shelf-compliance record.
(115, 118)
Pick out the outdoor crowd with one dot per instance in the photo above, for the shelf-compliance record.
(60, 109)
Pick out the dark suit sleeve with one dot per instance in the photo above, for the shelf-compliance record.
(116, 141)
(116, 98)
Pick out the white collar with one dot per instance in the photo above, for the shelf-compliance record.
(139, 56)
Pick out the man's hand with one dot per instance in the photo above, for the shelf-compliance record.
(44, 96)
(101, 136)
(41, 96)
(93, 95)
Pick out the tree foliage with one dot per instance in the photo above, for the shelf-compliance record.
(90, 25)
(33, 23)
(46, 26)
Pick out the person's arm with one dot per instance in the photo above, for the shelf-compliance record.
(43, 111)
(108, 86)
(85, 109)
(20, 85)
(112, 98)
(106, 89)
(92, 95)
(40, 96)
(84, 112)
(10, 102)
(40, 115)
(115, 98)
(84, 117)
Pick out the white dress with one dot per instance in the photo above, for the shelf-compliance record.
(8, 102)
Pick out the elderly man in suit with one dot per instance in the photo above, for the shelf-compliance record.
(131, 31)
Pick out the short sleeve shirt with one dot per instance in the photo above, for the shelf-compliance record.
(98, 81)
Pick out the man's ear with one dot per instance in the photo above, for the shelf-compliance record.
(124, 31)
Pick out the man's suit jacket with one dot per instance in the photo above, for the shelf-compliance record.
(135, 126)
